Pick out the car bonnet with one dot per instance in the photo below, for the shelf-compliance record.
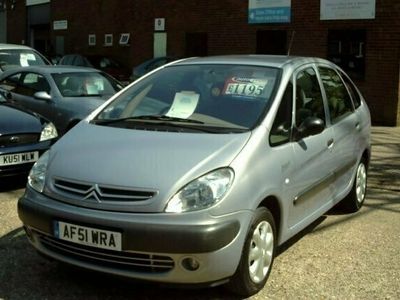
(158, 162)
(14, 121)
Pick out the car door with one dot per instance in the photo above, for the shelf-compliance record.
(345, 125)
(311, 181)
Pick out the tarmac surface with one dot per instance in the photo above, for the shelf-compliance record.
(340, 256)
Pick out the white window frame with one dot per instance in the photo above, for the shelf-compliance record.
(124, 38)
(108, 39)
(92, 40)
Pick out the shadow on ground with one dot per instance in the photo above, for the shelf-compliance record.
(12, 183)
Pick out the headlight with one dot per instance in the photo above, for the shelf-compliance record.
(37, 175)
(49, 132)
(202, 192)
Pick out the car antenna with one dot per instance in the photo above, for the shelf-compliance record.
(291, 42)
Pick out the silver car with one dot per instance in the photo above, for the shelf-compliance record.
(12, 56)
(196, 172)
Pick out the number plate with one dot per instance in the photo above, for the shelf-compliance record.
(88, 236)
(18, 158)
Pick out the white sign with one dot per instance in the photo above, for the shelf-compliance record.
(60, 25)
(159, 24)
(347, 9)
(184, 105)
(269, 11)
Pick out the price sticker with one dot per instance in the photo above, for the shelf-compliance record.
(242, 86)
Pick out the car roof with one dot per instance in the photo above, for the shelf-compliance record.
(14, 46)
(51, 69)
(277, 61)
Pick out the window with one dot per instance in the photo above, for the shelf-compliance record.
(124, 39)
(11, 82)
(29, 84)
(346, 48)
(352, 90)
(234, 97)
(92, 40)
(108, 40)
(309, 102)
(282, 126)
(339, 101)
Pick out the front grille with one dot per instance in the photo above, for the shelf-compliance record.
(97, 192)
(18, 139)
(130, 261)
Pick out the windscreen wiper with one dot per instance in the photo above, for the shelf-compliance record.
(161, 118)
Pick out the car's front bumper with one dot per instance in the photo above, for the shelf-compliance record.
(154, 246)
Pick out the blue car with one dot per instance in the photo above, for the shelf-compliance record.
(24, 136)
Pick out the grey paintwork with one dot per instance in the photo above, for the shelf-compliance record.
(165, 161)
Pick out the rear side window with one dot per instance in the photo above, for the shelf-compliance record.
(339, 101)
(11, 82)
(352, 90)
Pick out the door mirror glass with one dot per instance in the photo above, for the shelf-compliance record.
(42, 96)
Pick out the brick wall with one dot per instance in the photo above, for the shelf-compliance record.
(225, 21)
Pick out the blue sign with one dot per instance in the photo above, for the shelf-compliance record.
(269, 11)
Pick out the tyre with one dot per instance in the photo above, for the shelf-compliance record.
(355, 199)
(257, 255)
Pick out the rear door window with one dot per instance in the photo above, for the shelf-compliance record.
(339, 100)
(352, 90)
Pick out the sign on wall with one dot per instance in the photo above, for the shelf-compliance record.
(347, 9)
(269, 11)
(60, 25)
(159, 24)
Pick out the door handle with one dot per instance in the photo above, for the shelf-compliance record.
(330, 142)
(357, 125)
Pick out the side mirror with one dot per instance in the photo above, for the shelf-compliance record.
(310, 126)
(6, 95)
(42, 96)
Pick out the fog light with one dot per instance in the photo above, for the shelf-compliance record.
(190, 264)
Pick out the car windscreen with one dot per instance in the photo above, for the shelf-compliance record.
(19, 58)
(225, 96)
(85, 84)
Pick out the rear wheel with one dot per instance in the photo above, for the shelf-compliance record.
(355, 199)
(257, 256)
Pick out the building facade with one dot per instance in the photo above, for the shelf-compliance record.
(361, 36)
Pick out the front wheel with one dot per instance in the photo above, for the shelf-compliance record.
(257, 256)
(356, 197)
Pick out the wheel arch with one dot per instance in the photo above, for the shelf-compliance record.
(273, 205)
(366, 156)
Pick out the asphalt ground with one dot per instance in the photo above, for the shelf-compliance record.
(340, 256)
